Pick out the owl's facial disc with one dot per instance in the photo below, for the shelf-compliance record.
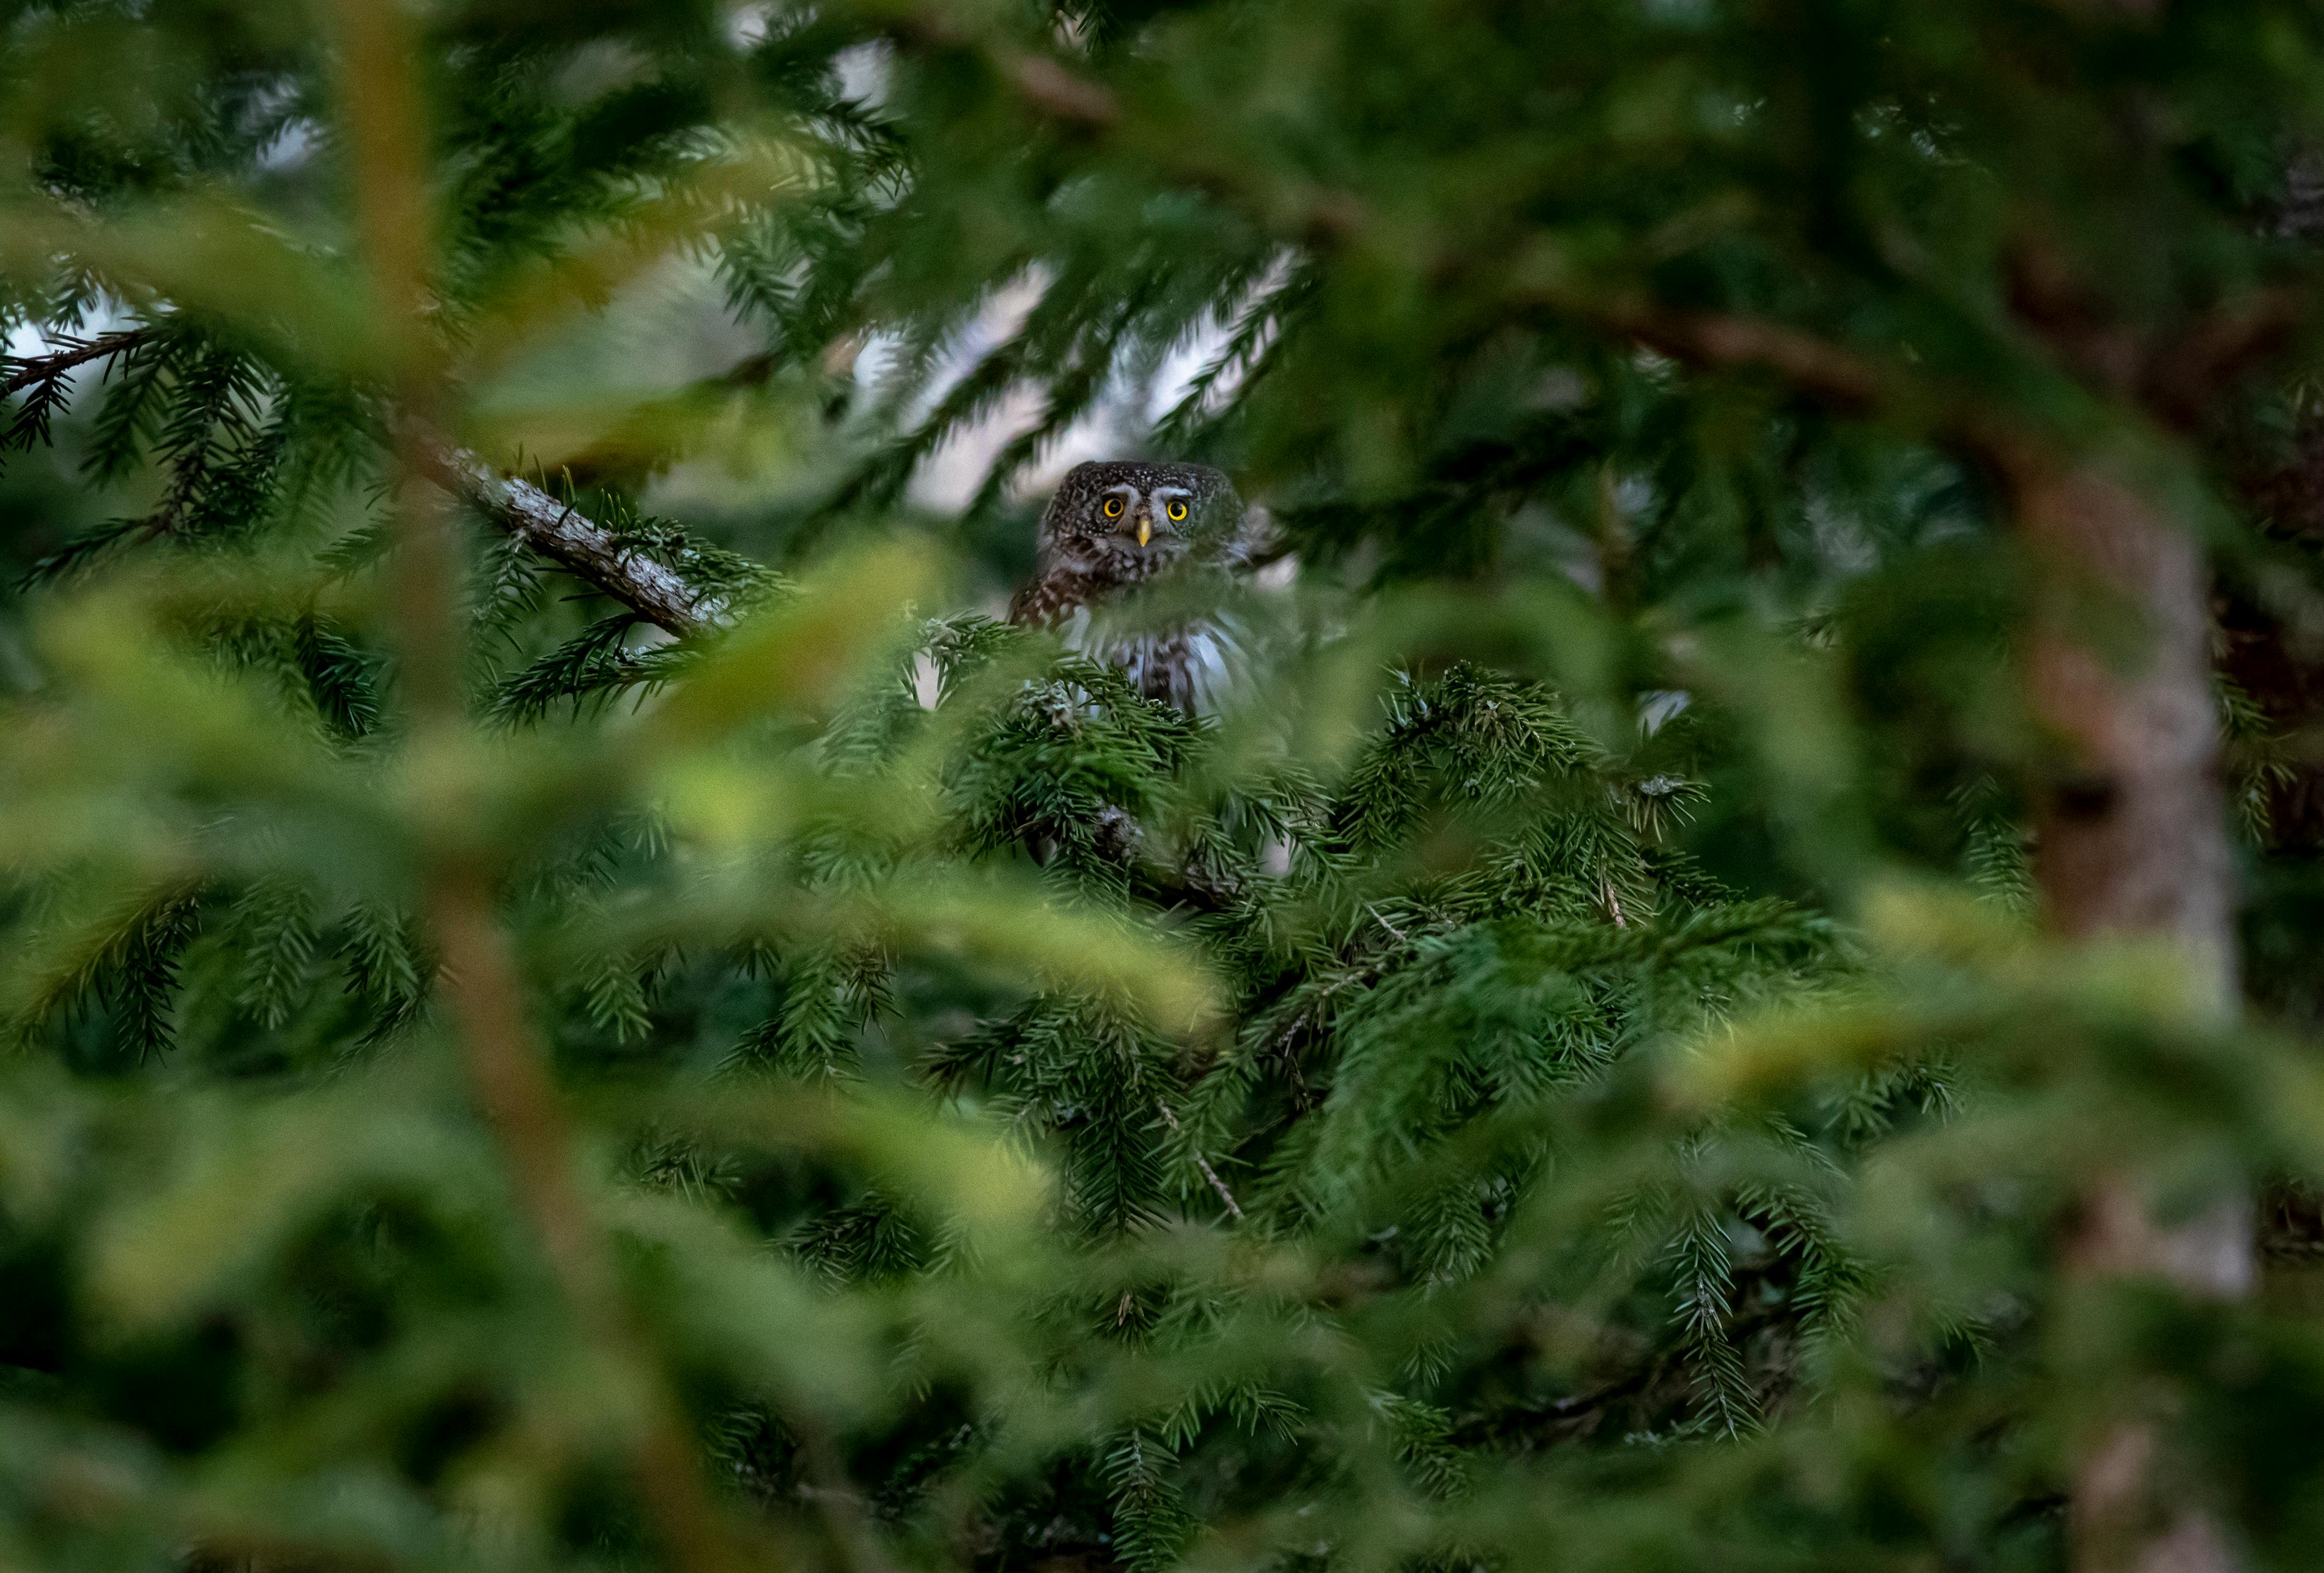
(1139, 529)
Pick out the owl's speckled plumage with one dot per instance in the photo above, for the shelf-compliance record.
(1086, 554)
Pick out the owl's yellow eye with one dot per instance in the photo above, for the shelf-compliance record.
(1177, 512)
(1113, 508)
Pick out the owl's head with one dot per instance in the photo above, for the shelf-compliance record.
(1123, 520)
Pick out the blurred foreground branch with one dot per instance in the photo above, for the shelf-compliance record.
(384, 130)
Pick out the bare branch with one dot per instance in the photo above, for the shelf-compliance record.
(1057, 92)
(572, 540)
(566, 537)
(1045, 84)
(1828, 371)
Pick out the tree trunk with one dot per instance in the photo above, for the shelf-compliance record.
(2131, 830)
(2132, 842)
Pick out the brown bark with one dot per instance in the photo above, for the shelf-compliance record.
(2132, 842)
(2132, 830)
(512, 1083)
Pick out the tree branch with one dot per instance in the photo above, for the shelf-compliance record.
(566, 537)
(1045, 84)
(379, 125)
(49, 368)
(1829, 372)
(572, 540)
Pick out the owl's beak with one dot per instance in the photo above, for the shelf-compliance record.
(1145, 529)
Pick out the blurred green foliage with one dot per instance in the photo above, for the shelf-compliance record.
(1565, 1072)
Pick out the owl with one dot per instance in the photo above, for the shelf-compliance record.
(1118, 524)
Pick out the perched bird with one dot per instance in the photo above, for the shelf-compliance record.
(1121, 523)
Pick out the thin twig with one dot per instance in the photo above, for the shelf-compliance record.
(838, 1506)
(1202, 1164)
(48, 368)
(1400, 936)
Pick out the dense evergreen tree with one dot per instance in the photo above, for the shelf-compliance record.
(1726, 992)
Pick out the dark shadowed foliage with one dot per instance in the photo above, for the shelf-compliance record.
(1731, 984)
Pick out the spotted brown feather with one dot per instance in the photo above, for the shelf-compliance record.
(1089, 550)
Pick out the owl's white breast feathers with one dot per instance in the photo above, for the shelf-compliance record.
(1193, 667)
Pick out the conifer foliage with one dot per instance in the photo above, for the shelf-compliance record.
(570, 1001)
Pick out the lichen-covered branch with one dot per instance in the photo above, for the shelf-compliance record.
(571, 539)
(574, 542)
